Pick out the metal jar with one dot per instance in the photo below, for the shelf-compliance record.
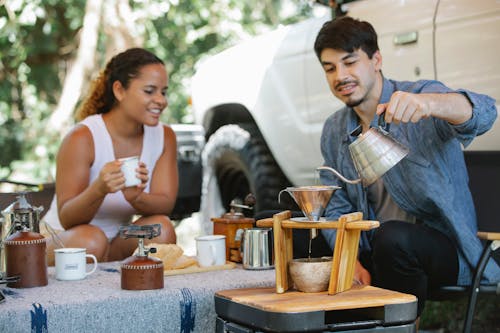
(257, 248)
(25, 254)
(19, 215)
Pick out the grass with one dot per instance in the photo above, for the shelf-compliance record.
(449, 315)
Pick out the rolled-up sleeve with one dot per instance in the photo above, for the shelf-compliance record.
(484, 114)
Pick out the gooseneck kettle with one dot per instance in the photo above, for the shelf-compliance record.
(373, 153)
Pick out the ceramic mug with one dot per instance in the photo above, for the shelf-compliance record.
(129, 164)
(211, 250)
(71, 263)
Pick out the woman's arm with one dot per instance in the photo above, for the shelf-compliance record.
(164, 182)
(77, 201)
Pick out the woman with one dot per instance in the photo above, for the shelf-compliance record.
(119, 118)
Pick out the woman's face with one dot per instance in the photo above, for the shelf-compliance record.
(146, 96)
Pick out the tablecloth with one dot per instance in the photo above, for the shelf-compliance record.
(98, 304)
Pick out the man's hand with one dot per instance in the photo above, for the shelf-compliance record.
(405, 107)
(361, 275)
(408, 107)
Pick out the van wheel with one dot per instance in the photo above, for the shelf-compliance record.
(236, 162)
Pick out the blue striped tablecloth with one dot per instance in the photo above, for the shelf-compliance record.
(98, 304)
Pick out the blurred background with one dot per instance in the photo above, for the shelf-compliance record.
(51, 49)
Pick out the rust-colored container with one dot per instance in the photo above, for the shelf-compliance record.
(142, 273)
(232, 225)
(25, 253)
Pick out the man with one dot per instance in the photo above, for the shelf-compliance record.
(427, 236)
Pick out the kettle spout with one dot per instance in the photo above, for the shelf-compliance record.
(355, 181)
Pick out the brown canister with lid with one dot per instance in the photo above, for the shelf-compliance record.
(25, 253)
(141, 273)
(232, 225)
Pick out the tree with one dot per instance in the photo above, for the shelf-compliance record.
(51, 49)
(80, 67)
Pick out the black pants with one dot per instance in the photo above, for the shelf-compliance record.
(411, 258)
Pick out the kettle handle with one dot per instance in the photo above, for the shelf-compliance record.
(382, 124)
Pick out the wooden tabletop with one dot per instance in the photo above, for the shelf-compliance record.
(295, 301)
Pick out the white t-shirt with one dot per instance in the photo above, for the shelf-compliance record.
(115, 211)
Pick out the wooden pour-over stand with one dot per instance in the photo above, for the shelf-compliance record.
(348, 227)
(344, 308)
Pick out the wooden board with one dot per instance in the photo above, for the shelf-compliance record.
(198, 269)
(361, 225)
(488, 235)
(295, 301)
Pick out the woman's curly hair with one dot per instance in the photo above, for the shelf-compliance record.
(122, 67)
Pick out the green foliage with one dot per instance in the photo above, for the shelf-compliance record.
(38, 38)
(449, 315)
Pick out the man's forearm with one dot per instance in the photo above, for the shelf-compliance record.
(454, 108)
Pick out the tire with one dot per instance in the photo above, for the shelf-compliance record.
(236, 162)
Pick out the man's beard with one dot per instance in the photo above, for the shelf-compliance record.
(351, 103)
(355, 103)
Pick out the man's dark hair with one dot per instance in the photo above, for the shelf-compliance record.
(348, 34)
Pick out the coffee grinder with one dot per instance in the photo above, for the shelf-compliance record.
(232, 225)
(139, 271)
(23, 247)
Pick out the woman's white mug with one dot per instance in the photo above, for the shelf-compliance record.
(129, 164)
(211, 250)
(71, 263)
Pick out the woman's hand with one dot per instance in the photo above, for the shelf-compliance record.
(110, 178)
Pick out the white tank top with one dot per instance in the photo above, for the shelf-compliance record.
(115, 210)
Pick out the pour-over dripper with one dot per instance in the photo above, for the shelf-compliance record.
(312, 200)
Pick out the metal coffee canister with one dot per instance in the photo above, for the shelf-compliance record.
(25, 253)
(139, 271)
(257, 248)
(19, 215)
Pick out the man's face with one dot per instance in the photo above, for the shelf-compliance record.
(351, 76)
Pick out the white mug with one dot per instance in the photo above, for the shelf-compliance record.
(129, 164)
(211, 250)
(71, 263)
